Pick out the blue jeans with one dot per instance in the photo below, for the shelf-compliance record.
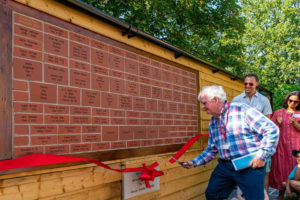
(224, 178)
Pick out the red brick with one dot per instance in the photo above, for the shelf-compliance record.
(131, 67)
(79, 52)
(117, 121)
(116, 74)
(126, 133)
(156, 93)
(158, 122)
(145, 70)
(109, 100)
(116, 62)
(152, 105)
(79, 65)
(132, 114)
(177, 140)
(139, 103)
(177, 79)
(145, 80)
(100, 111)
(125, 102)
(163, 132)
(155, 63)
(57, 75)
(68, 129)
(131, 77)
(156, 73)
(166, 76)
(56, 109)
(28, 22)
(20, 85)
(81, 147)
(28, 70)
(110, 133)
(117, 113)
(28, 43)
(55, 30)
(99, 57)
(43, 140)
(145, 90)
(181, 108)
(80, 120)
(167, 95)
(147, 115)
(99, 70)
(140, 132)
(91, 129)
(162, 106)
(56, 119)
(90, 98)
(43, 129)
(80, 111)
(28, 107)
(144, 60)
(100, 120)
(56, 45)
(68, 139)
(21, 130)
(79, 38)
(158, 142)
(91, 138)
(23, 151)
(21, 140)
(99, 45)
(28, 32)
(117, 51)
(28, 118)
(169, 141)
(28, 54)
(132, 88)
(100, 82)
(70, 96)
(152, 132)
(146, 143)
(157, 115)
(101, 146)
(117, 85)
(40, 92)
(133, 121)
(54, 59)
(118, 145)
(79, 78)
(146, 122)
(59, 149)
(131, 55)
(133, 144)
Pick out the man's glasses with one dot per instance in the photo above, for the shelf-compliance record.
(251, 84)
(293, 101)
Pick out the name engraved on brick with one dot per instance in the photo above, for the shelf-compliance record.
(69, 96)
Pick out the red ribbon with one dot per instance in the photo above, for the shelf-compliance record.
(185, 147)
(148, 173)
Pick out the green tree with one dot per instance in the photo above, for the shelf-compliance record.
(272, 41)
(204, 28)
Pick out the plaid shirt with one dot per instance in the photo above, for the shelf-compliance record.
(247, 131)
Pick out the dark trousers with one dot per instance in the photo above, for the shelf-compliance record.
(224, 178)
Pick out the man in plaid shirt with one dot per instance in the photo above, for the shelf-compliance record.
(235, 130)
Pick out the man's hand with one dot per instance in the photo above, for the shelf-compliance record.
(256, 163)
(187, 164)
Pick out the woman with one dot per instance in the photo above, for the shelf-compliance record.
(287, 119)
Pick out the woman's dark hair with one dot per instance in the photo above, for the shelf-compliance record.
(294, 93)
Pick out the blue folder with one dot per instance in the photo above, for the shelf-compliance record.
(243, 162)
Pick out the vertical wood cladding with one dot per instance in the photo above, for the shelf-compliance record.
(76, 94)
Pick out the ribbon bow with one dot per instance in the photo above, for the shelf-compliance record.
(149, 173)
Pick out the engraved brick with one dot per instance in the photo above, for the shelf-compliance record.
(70, 96)
(163, 132)
(144, 60)
(147, 115)
(27, 21)
(28, 32)
(117, 51)
(79, 65)
(162, 106)
(139, 103)
(110, 133)
(158, 142)
(54, 59)
(81, 147)
(145, 70)
(166, 76)
(156, 93)
(80, 120)
(43, 140)
(109, 100)
(28, 43)
(56, 109)
(116, 74)
(91, 138)
(20, 85)
(100, 70)
(91, 129)
(152, 105)
(101, 146)
(152, 132)
(57, 75)
(56, 45)
(117, 121)
(20, 96)
(125, 102)
(68, 129)
(90, 98)
(23, 151)
(21, 130)
(140, 132)
(126, 133)
(100, 111)
(29, 70)
(100, 120)
(79, 38)
(59, 149)
(55, 30)
(28, 118)
(132, 88)
(131, 55)
(28, 107)
(80, 110)
(172, 107)
(131, 67)
(117, 85)
(156, 73)
(21, 140)
(68, 139)
(169, 141)
(155, 63)
(116, 62)
(99, 45)
(145, 90)
(79, 52)
(100, 82)
(167, 95)
(118, 145)
(28, 54)
(56, 119)
(43, 129)
(42, 93)
(146, 143)
(146, 122)
(99, 57)
(79, 78)
(133, 143)
(133, 121)
(145, 80)
(132, 114)
(131, 77)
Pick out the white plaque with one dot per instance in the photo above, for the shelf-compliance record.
(133, 186)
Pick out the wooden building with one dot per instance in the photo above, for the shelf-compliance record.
(76, 81)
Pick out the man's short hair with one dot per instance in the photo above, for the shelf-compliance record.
(252, 75)
(213, 91)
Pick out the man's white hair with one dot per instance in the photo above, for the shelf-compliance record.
(213, 91)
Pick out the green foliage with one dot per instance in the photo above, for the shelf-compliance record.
(280, 94)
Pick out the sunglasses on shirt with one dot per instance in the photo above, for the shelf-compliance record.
(250, 84)
(293, 101)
